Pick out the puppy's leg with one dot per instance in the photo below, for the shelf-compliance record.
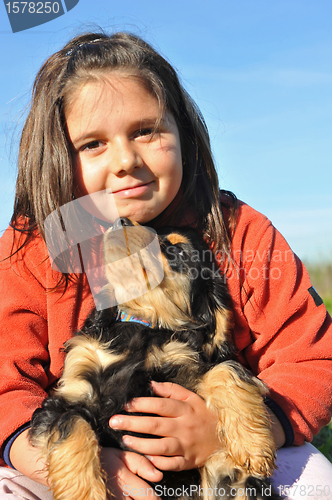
(244, 426)
(86, 357)
(68, 443)
(74, 471)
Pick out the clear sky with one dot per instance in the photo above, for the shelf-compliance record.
(261, 72)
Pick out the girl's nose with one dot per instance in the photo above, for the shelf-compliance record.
(125, 157)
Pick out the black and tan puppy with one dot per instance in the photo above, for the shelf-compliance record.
(184, 337)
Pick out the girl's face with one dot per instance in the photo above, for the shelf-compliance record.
(110, 127)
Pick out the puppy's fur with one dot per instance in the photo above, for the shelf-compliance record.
(188, 342)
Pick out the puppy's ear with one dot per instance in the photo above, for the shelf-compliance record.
(209, 295)
(211, 306)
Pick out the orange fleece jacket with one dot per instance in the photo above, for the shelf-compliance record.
(280, 332)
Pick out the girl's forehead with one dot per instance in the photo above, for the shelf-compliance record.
(111, 82)
(113, 103)
(114, 88)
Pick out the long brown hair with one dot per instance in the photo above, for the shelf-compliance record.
(45, 178)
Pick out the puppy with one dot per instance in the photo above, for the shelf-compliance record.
(178, 331)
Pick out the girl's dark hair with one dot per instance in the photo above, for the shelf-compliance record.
(45, 177)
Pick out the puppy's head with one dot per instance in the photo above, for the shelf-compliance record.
(191, 293)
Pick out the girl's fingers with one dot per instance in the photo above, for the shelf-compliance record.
(171, 390)
(164, 407)
(133, 487)
(157, 426)
(123, 470)
(168, 463)
(140, 466)
(164, 446)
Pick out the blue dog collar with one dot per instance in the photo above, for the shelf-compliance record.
(122, 316)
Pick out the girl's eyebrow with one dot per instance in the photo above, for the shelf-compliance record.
(82, 138)
(153, 121)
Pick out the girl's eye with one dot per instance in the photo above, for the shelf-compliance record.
(91, 145)
(143, 132)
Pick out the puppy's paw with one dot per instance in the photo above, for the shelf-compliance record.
(244, 424)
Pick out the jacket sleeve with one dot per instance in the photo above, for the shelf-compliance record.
(37, 317)
(290, 331)
(23, 341)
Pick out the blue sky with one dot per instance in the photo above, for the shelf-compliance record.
(261, 72)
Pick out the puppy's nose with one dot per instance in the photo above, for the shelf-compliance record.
(122, 221)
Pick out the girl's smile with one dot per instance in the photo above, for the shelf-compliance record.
(135, 190)
(118, 145)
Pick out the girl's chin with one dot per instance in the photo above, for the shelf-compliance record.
(138, 214)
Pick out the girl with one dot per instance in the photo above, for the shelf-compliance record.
(108, 113)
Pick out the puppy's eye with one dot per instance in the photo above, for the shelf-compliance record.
(174, 253)
(178, 251)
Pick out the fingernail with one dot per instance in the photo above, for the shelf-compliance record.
(115, 422)
(155, 471)
(127, 440)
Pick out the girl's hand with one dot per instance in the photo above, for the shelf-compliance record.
(125, 471)
(188, 427)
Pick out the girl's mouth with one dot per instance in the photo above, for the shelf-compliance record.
(133, 192)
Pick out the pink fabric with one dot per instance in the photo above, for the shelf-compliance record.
(303, 472)
(15, 486)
